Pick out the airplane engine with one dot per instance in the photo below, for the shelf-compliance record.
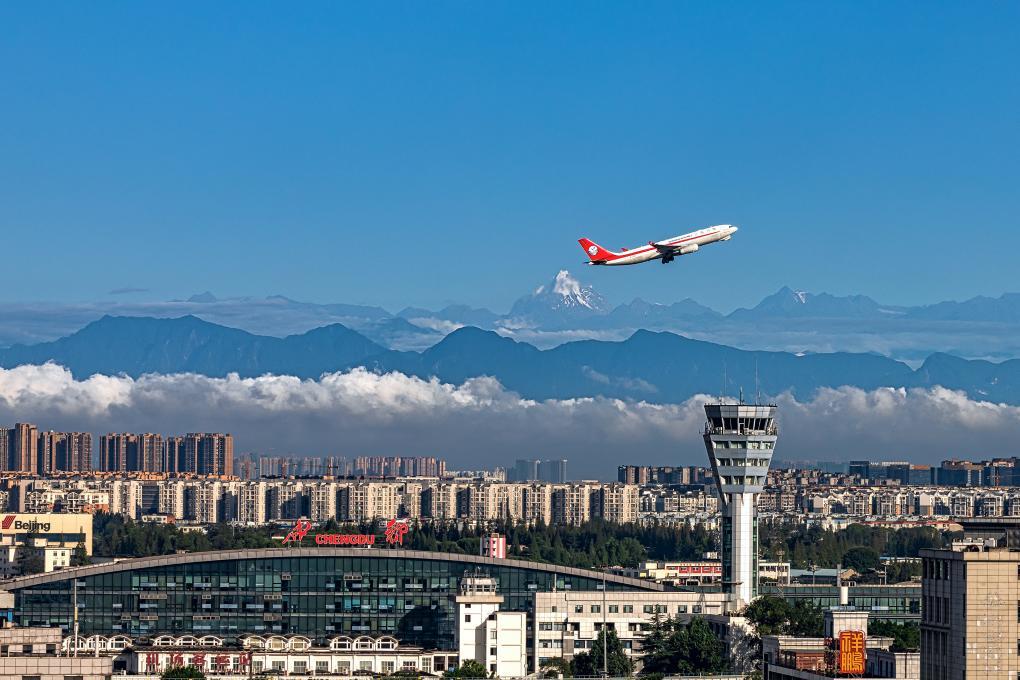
(687, 250)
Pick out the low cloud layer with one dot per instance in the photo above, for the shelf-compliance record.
(481, 424)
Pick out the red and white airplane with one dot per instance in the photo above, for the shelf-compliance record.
(659, 250)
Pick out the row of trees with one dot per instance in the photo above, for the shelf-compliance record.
(592, 544)
(670, 647)
(114, 535)
(858, 546)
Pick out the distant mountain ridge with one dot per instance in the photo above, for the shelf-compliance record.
(138, 345)
(657, 367)
(566, 309)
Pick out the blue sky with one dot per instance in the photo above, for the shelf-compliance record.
(422, 153)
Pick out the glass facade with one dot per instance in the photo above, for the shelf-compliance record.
(379, 593)
(890, 602)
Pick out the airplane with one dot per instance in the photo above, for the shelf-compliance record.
(658, 250)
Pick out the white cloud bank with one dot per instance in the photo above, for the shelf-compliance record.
(481, 424)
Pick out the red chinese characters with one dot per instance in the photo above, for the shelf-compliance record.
(395, 530)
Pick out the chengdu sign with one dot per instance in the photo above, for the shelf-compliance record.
(393, 535)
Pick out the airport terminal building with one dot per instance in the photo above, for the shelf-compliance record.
(328, 593)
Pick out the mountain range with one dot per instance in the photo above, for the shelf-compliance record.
(565, 309)
(652, 366)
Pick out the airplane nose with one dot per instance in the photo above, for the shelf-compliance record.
(734, 229)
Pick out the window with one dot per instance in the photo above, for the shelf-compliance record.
(467, 618)
(322, 666)
(578, 608)
(493, 635)
(681, 609)
(596, 609)
(614, 609)
(696, 609)
(388, 666)
(648, 609)
(628, 609)
(492, 651)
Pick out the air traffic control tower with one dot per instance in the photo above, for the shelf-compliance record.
(740, 439)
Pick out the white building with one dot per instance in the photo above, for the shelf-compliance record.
(569, 622)
(497, 640)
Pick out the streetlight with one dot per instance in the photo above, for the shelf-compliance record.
(605, 626)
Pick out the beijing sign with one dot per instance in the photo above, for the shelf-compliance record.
(394, 534)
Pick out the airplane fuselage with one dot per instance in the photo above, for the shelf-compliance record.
(666, 250)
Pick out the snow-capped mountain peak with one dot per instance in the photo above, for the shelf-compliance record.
(573, 293)
(563, 298)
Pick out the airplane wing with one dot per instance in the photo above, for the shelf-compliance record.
(664, 248)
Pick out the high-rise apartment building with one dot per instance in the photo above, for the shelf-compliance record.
(208, 453)
(63, 452)
(173, 455)
(19, 448)
(127, 452)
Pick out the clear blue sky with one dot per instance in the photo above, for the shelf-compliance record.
(421, 153)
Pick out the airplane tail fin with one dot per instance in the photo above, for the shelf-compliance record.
(594, 251)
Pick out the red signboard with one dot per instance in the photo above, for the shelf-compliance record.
(851, 652)
(395, 530)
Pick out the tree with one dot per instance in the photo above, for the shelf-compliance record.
(699, 649)
(80, 556)
(769, 615)
(182, 673)
(861, 559)
(468, 669)
(592, 663)
(676, 647)
(556, 666)
(906, 636)
(806, 619)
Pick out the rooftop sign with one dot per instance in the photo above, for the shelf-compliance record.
(851, 652)
(393, 535)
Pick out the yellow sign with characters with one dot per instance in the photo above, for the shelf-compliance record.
(851, 652)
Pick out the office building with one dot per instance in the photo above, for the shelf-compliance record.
(553, 471)
(524, 470)
(970, 609)
(740, 440)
